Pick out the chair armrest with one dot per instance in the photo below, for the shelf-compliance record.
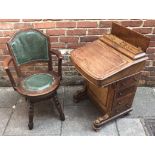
(57, 53)
(6, 64)
(59, 56)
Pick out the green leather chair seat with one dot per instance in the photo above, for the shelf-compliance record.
(38, 82)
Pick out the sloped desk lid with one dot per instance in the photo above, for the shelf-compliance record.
(111, 58)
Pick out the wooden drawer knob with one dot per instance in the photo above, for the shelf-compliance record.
(120, 93)
(128, 106)
(119, 103)
(117, 111)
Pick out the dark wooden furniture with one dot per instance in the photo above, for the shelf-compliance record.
(111, 66)
(27, 47)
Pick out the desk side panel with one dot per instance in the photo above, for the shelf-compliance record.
(98, 95)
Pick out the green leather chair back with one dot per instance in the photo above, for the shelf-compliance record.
(29, 46)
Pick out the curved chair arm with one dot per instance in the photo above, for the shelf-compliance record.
(6, 64)
(59, 56)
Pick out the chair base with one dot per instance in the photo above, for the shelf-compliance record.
(31, 109)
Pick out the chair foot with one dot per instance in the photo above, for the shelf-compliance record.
(59, 107)
(62, 117)
(30, 125)
(31, 114)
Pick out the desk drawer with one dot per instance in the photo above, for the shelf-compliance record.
(120, 109)
(121, 93)
(130, 81)
(126, 100)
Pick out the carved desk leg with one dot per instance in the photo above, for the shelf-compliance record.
(80, 94)
(31, 114)
(59, 107)
(97, 124)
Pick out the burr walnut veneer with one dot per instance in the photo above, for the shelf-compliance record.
(111, 66)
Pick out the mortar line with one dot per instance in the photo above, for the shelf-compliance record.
(61, 128)
(8, 122)
(142, 121)
(63, 110)
(117, 127)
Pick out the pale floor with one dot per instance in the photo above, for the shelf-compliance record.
(79, 117)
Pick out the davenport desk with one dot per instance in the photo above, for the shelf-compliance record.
(111, 67)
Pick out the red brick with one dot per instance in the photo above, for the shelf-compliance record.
(154, 31)
(75, 45)
(1, 34)
(1, 51)
(52, 19)
(141, 82)
(2, 57)
(55, 32)
(87, 24)
(132, 23)
(105, 24)
(150, 50)
(145, 73)
(152, 73)
(44, 25)
(152, 37)
(53, 39)
(149, 23)
(147, 63)
(5, 26)
(3, 40)
(66, 63)
(97, 31)
(65, 24)
(151, 56)
(150, 68)
(152, 44)
(76, 32)
(65, 68)
(28, 68)
(151, 78)
(9, 20)
(6, 52)
(69, 39)
(150, 83)
(88, 38)
(3, 46)
(57, 45)
(143, 30)
(31, 20)
(8, 33)
(23, 25)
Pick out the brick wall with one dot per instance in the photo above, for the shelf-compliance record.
(66, 35)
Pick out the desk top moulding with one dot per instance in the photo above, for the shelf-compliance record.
(112, 57)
